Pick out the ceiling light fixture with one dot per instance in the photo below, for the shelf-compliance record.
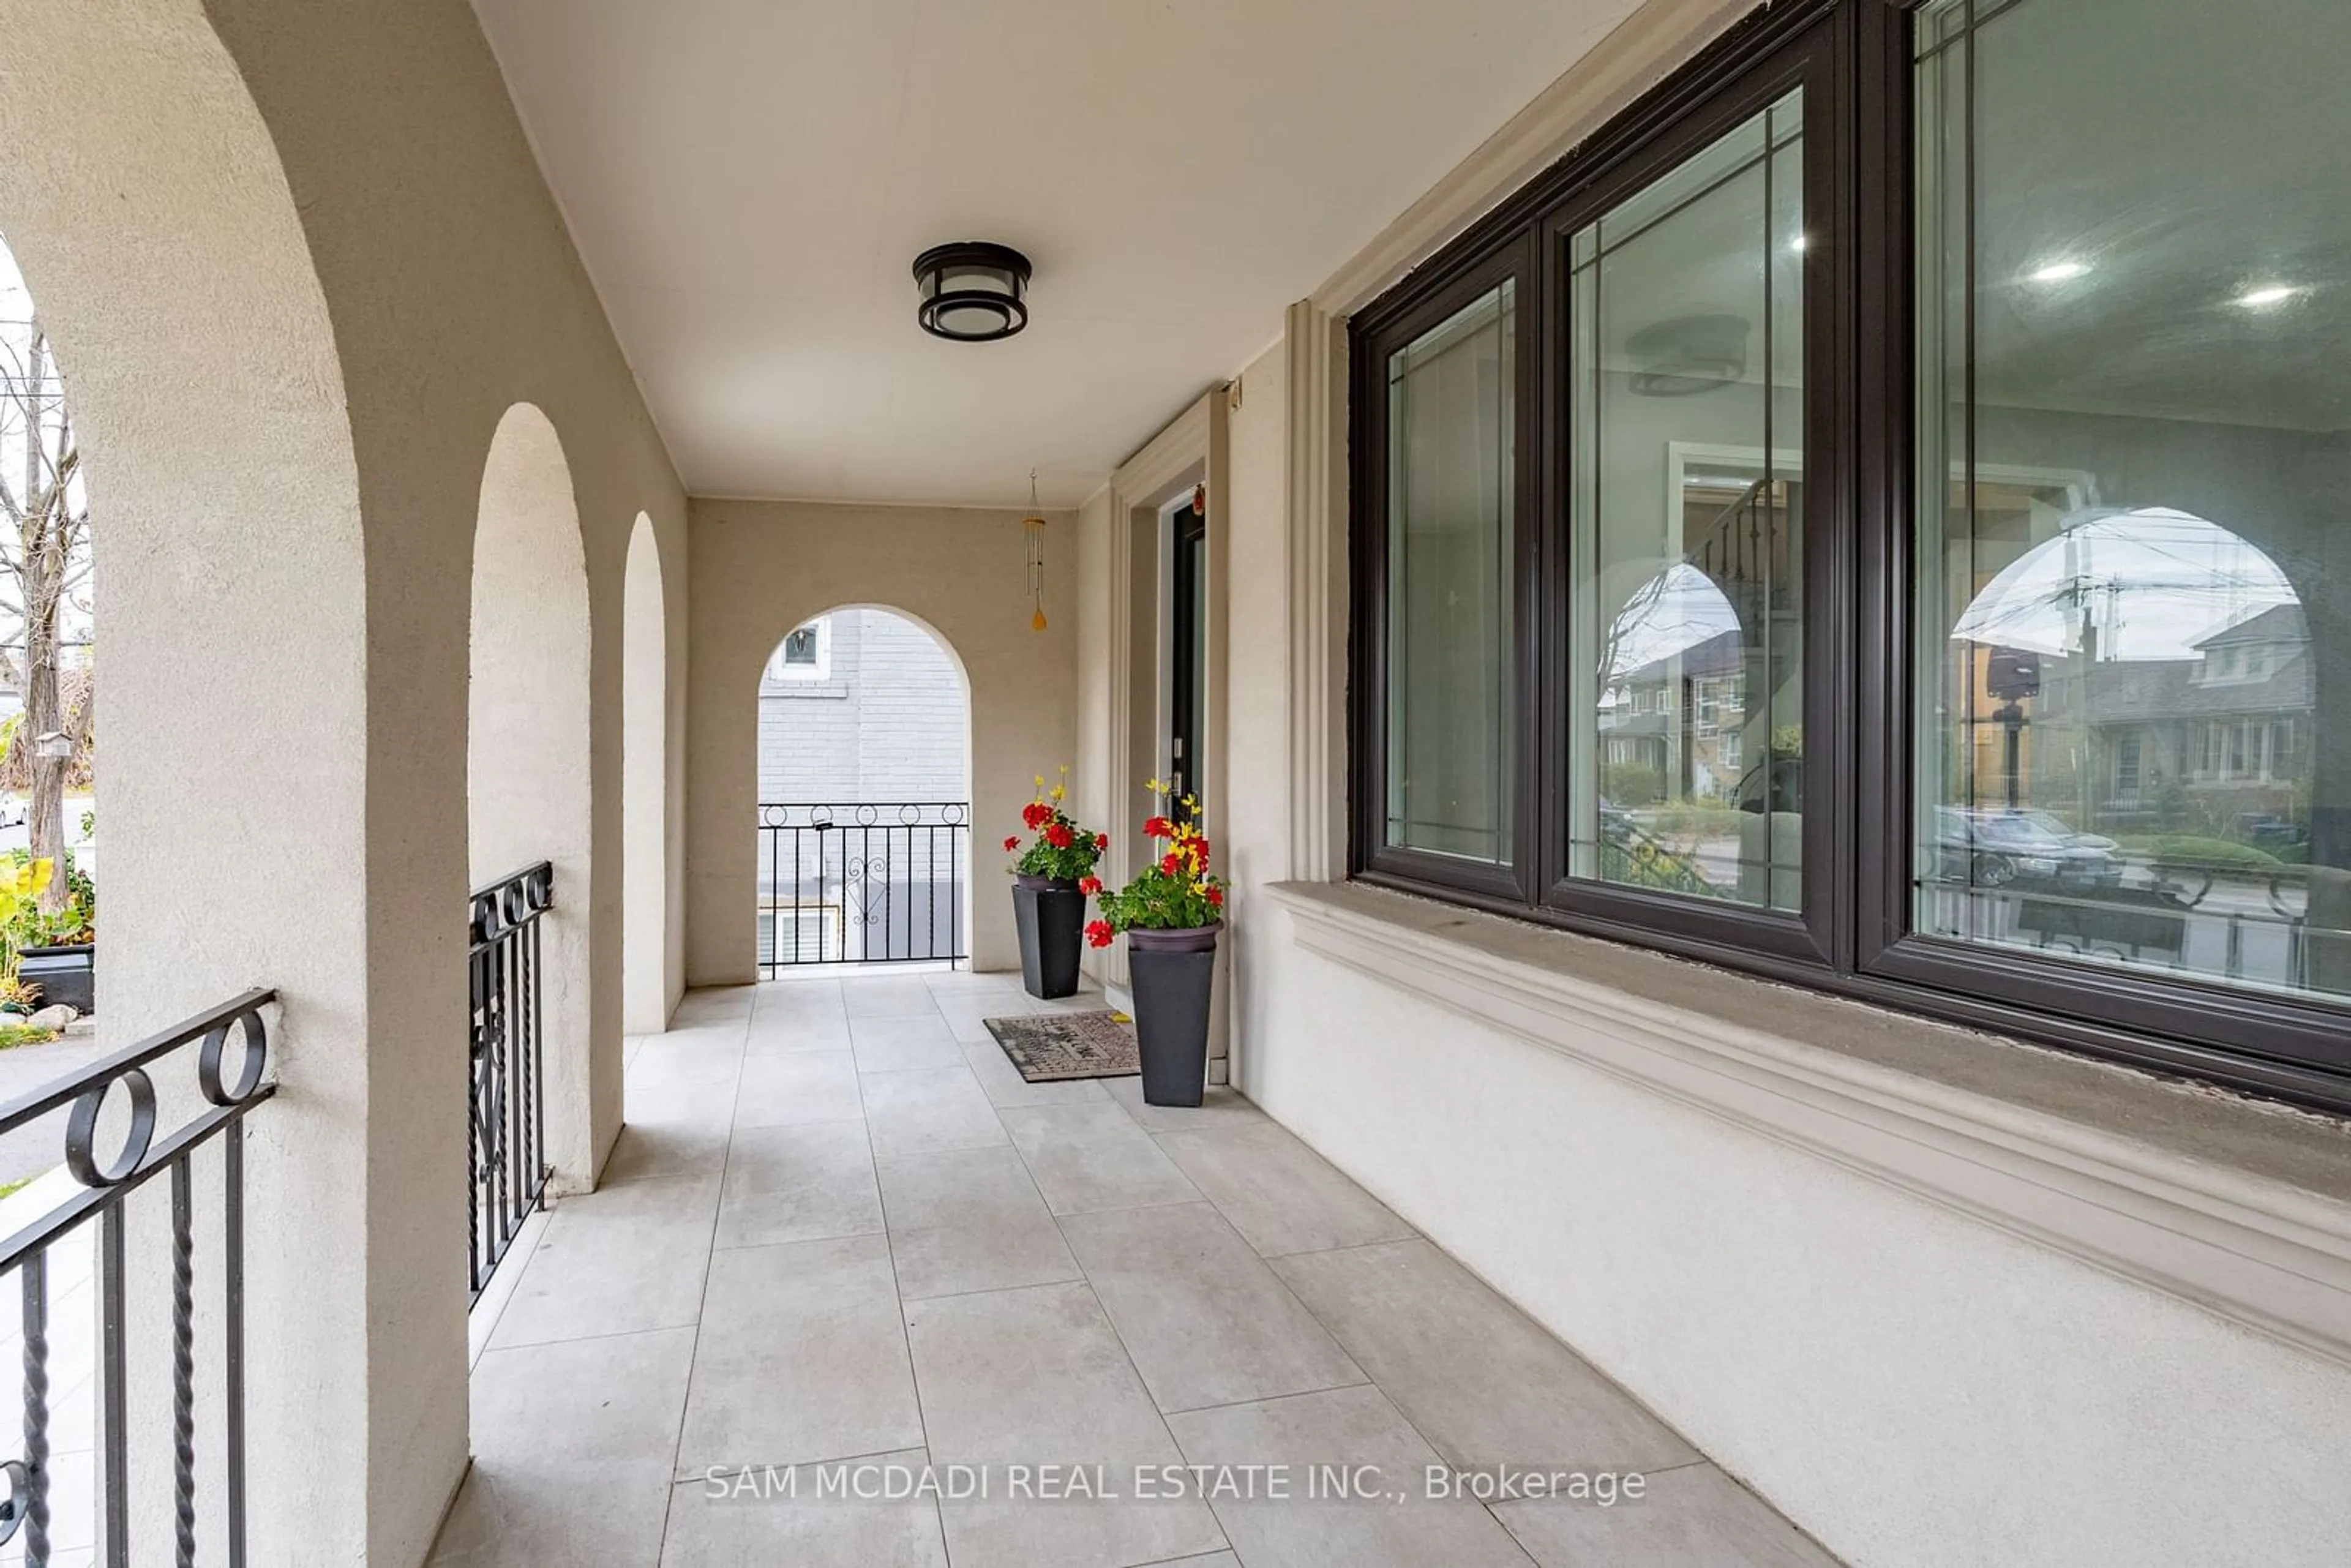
(973, 292)
(2269, 294)
(2060, 272)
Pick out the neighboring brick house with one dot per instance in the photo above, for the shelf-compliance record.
(862, 707)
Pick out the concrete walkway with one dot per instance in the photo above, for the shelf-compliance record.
(840, 1228)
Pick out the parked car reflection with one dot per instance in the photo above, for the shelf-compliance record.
(1989, 847)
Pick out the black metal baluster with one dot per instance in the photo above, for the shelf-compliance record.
(233, 1319)
(114, 1368)
(183, 1361)
(477, 983)
(538, 1062)
(37, 1409)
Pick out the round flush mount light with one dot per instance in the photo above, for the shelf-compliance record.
(973, 292)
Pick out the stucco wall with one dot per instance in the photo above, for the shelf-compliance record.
(763, 567)
(1909, 1384)
(301, 262)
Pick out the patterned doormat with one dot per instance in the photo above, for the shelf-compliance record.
(1047, 1047)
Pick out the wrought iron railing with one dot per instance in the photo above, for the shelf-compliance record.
(875, 881)
(49, 1244)
(506, 1105)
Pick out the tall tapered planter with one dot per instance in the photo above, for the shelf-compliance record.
(1174, 973)
(1050, 914)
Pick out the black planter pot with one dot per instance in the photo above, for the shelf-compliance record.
(1174, 974)
(1051, 915)
(67, 975)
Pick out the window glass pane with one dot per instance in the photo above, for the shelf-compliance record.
(1451, 531)
(1686, 304)
(2134, 452)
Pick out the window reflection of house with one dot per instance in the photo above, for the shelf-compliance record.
(1672, 727)
(2233, 719)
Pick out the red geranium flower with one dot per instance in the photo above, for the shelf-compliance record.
(1099, 933)
(1036, 813)
(1216, 898)
(1010, 844)
(1101, 842)
(1089, 885)
(1156, 827)
(1058, 834)
(1171, 865)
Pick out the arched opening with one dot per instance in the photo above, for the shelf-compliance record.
(646, 989)
(864, 792)
(47, 710)
(527, 801)
(176, 284)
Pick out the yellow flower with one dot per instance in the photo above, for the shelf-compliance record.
(1057, 792)
(1154, 786)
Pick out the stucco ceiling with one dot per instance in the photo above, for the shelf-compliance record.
(748, 182)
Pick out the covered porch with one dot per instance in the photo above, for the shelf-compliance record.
(1752, 595)
(851, 1291)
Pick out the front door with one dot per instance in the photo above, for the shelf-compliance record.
(1188, 648)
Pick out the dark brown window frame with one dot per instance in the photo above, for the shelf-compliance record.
(1855, 938)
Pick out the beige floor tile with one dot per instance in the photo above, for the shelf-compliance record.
(1205, 1321)
(969, 1219)
(818, 1031)
(1694, 1514)
(927, 1111)
(1090, 1158)
(618, 1260)
(1481, 1380)
(1220, 1106)
(801, 1357)
(793, 1088)
(573, 1452)
(1277, 1192)
(764, 1518)
(1037, 1377)
(897, 1043)
(886, 995)
(1308, 1441)
(799, 1184)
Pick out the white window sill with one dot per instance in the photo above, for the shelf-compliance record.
(2236, 1205)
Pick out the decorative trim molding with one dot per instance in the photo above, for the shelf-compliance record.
(2256, 1251)
(1642, 50)
(1315, 559)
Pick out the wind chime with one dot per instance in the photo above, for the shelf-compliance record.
(1033, 527)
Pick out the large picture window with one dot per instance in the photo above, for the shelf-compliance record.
(1685, 327)
(1875, 515)
(1452, 535)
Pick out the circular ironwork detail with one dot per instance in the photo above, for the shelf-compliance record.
(81, 1131)
(13, 1511)
(254, 1035)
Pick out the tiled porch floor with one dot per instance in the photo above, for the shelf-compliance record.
(839, 1225)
